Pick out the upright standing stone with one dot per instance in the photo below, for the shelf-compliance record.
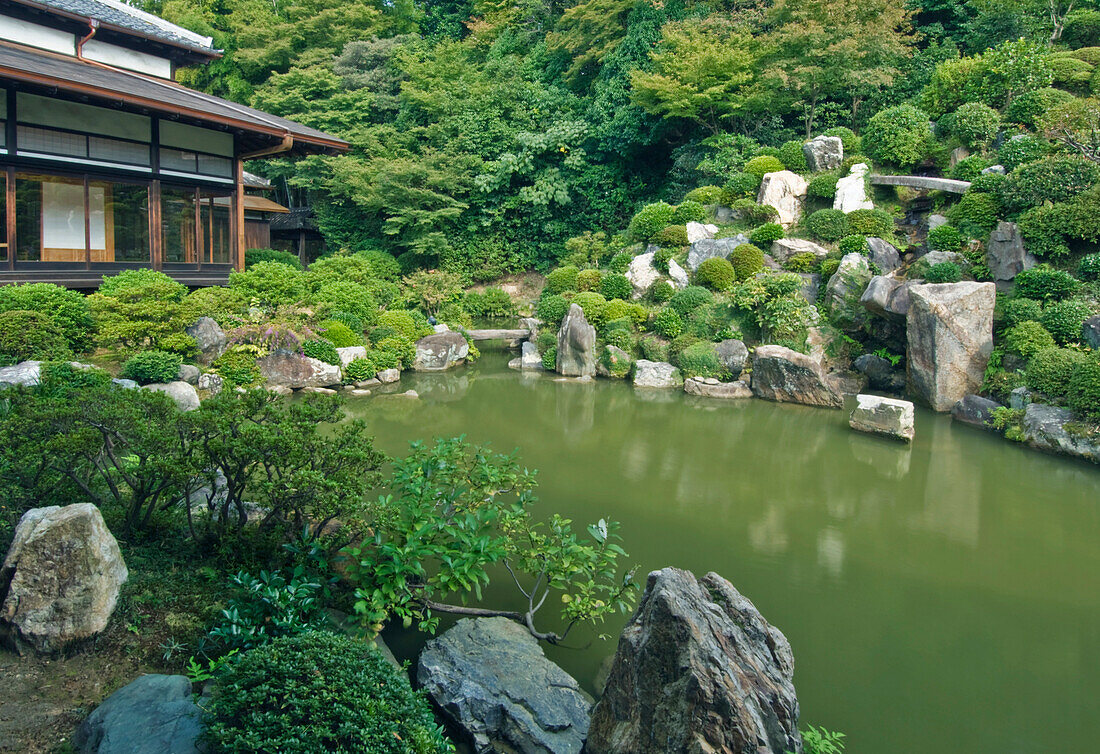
(642, 274)
(786, 192)
(209, 337)
(845, 289)
(884, 255)
(1006, 254)
(950, 334)
(576, 345)
(823, 153)
(851, 191)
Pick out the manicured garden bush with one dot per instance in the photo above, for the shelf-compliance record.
(616, 286)
(1020, 150)
(252, 256)
(411, 325)
(976, 214)
(764, 235)
(495, 302)
(705, 195)
(1043, 283)
(552, 308)
(1028, 107)
(969, 168)
(740, 186)
(339, 334)
(792, 156)
(853, 244)
(661, 291)
(1051, 179)
(701, 360)
(269, 284)
(588, 280)
(1044, 230)
(715, 273)
(667, 322)
(688, 212)
(852, 143)
(671, 237)
(1088, 268)
(747, 260)
(822, 186)
(754, 214)
(762, 165)
(144, 308)
(27, 335)
(690, 300)
(359, 370)
(651, 219)
(871, 222)
(550, 359)
(653, 348)
(562, 279)
(593, 305)
(319, 348)
(943, 272)
(620, 262)
(618, 309)
(828, 225)
(661, 258)
(1084, 388)
(897, 135)
(148, 367)
(66, 308)
(945, 238)
(1017, 310)
(225, 306)
(975, 125)
(1064, 319)
(317, 692)
(346, 296)
(1028, 338)
(804, 262)
(1050, 370)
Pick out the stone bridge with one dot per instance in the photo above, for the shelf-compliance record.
(921, 182)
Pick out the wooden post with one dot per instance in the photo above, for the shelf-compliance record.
(87, 226)
(238, 215)
(156, 227)
(302, 246)
(9, 215)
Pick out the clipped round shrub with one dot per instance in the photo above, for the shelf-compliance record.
(495, 302)
(762, 165)
(1020, 150)
(766, 151)
(792, 156)
(1050, 370)
(269, 283)
(66, 308)
(237, 367)
(321, 349)
(871, 222)
(701, 360)
(829, 225)
(943, 272)
(654, 349)
(620, 262)
(897, 135)
(740, 186)
(552, 308)
(252, 256)
(969, 168)
(689, 211)
(804, 262)
(550, 359)
(1083, 395)
(829, 266)
(852, 143)
(854, 244)
(661, 258)
(588, 280)
(747, 260)
(319, 692)
(339, 334)
(1064, 319)
(409, 324)
(976, 214)
(715, 273)
(671, 237)
(360, 369)
(1050, 179)
(993, 184)
(1070, 73)
(593, 305)
(148, 367)
(822, 186)
(945, 238)
(1017, 310)
(754, 214)
(1028, 338)
(766, 234)
(1088, 268)
(1043, 283)
(620, 338)
(562, 279)
(1027, 108)
(975, 125)
(704, 195)
(616, 286)
(651, 219)
(661, 291)
(346, 296)
(1082, 28)
(27, 335)
(689, 300)
(667, 322)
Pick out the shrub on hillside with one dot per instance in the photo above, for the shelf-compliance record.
(747, 260)
(1043, 283)
(943, 272)
(142, 308)
(1017, 310)
(1050, 370)
(1020, 150)
(792, 156)
(715, 273)
(661, 291)
(701, 360)
(339, 334)
(550, 359)
(1044, 230)
(704, 195)
(552, 308)
(671, 237)
(237, 367)
(593, 305)
(1064, 319)
(1027, 108)
(690, 300)
(764, 235)
(945, 238)
(269, 284)
(667, 322)
(321, 349)
(754, 214)
(411, 325)
(620, 262)
(852, 143)
(1084, 388)
(804, 262)
(562, 279)
(67, 309)
(688, 212)
(975, 125)
(822, 186)
(148, 367)
(1082, 27)
(346, 296)
(897, 135)
(762, 165)
(740, 186)
(27, 335)
(969, 168)
(871, 222)
(1050, 179)
(975, 214)
(853, 244)
(616, 286)
(225, 306)
(589, 280)
(828, 225)
(1088, 268)
(252, 256)
(1028, 338)
(650, 220)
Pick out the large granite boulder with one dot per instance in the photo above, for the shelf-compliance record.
(491, 680)
(976, 411)
(845, 289)
(1006, 255)
(851, 190)
(154, 714)
(880, 373)
(1045, 428)
(785, 248)
(887, 295)
(189, 373)
(884, 255)
(700, 231)
(529, 358)
(1090, 332)
(576, 345)
(697, 670)
(780, 374)
(733, 354)
(786, 192)
(60, 580)
(712, 388)
(823, 153)
(883, 416)
(658, 374)
(677, 274)
(209, 337)
(182, 393)
(713, 247)
(441, 351)
(642, 274)
(292, 370)
(950, 338)
(26, 373)
(349, 354)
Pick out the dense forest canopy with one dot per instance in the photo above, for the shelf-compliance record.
(486, 133)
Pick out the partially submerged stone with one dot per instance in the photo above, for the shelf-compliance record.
(576, 344)
(976, 411)
(715, 389)
(1055, 430)
(883, 416)
(656, 374)
(780, 374)
(441, 351)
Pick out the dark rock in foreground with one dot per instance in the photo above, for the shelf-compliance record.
(975, 411)
(152, 715)
(780, 374)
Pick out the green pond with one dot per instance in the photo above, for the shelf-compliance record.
(943, 597)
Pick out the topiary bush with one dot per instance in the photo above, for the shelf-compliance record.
(690, 300)
(701, 360)
(346, 296)
(792, 156)
(339, 334)
(144, 308)
(852, 143)
(1027, 338)
(976, 214)
(66, 308)
(943, 272)
(975, 125)
(754, 214)
(871, 222)
(616, 286)
(1051, 179)
(588, 280)
(252, 256)
(495, 302)
(689, 212)
(411, 325)
(269, 284)
(593, 305)
(822, 186)
(762, 165)
(661, 291)
(897, 135)
(704, 195)
(1050, 370)
(1027, 108)
(1020, 150)
(552, 308)
(672, 237)
(715, 273)
(828, 225)
(1083, 395)
(651, 219)
(562, 279)
(1064, 319)
(1017, 310)
(321, 349)
(804, 262)
(969, 168)
(359, 370)
(620, 262)
(747, 260)
(945, 238)
(148, 367)
(1088, 268)
(237, 367)
(854, 244)
(28, 335)
(1044, 230)
(766, 234)
(1043, 283)
(740, 186)
(317, 692)
(667, 322)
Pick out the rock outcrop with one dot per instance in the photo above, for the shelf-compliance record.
(713, 247)
(576, 345)
(887, 295)
(880, 373)
(845, 289)
(209, 337)
(785, 248)
(883, 416)
(211, 382)
(786, 192)
(700, 231)
(642, 274)
(529, 358)
(154, 714)
(60, 580)
(26, 373)
(975, 411)
(349, 354)
(491, 680)
(823, 153)
(182, 393)
(733, 354)
(1090, 332)
(950, 338)
(441, 351)
(677, 274)
(884, 255)
(291, 370)
(657, 374)
(780, 374)
(1006, 255)
(851, 190)
(712, 388)
(614, 362)
(1045, 428)
(698, 669)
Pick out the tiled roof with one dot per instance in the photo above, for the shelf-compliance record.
(121, 15)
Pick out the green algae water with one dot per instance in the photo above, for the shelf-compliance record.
(943, 597)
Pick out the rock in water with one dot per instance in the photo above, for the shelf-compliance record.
(1045, 428)
(183, 393)
(283, 369)
(883, 416)
(491, 679)
(780, 374)
(698, 670)
(823, 153)
(60, 580)
(786, 192)
(658, 374)
(851, 190)
(441, 351)
(716, 389)
(154, 714)
(576, 345)
(1006, 254)
(975, 411)
(950, 334)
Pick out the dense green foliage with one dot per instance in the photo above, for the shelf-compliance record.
(67, 309)
(152, 366)
(29, 335)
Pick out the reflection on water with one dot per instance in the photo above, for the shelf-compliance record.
(940, 597)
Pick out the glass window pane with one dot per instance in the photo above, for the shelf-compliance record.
(113, 150)
(217, 240)
(49, 219)
(178, 224)
(175, 159)
(219, 166)
(126, 221)
(52, 142)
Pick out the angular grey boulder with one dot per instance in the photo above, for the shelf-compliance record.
(733, 354)
(881, 374)
(887, 295)
(698, 669)
(1045, 429)
(26, 373)
(209, 337)
(845, 290)
(780, 374)
(154, 714)
(491, 680)
(1090, 332)
(823, 153)
(883, 416)
(975, 411)
(182, 393)
(711, 388)
(713, 247)
(785, 248)
(576, 345)
(1006, 255)
(441, 351)
(884, 255)
(656, 374)
(291, 370)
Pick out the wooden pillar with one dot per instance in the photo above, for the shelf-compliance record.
(156, 227)
(238, 216)
(87, 226)
(9, 215)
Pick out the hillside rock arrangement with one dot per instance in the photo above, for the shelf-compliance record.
(780, 374)
(1090, 332)
(733, 354)
(700, 231)
(884, 255)
(439, 352)
(698, 669)
(786, 192)
(60, 580)
(576, 345)
(851, 190)
(700, 251)
(491, 680)
(210, 339)
(154, 714)
(26, 373)
(883, 416)
(881, 374)
(950, 338)
(1006, 255)
(656, 374)
(182, 393)
(823, 153)
(294, 371)
(785, 248)
(886, 295)
(642, 274)
(845, 289)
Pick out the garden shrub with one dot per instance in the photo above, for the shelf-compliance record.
(497, 303)
(740, 186)
(552, 308)
(792, 156)
(688, 212)
(661, 291)
(897, 135)
(1088, 268)
(654, 349)
(317, 692)
(822, 186)
(672, 236)
(1027, 338)
(943, 272)
(266, 608)
(319, 348)
(829, 266)
(704, 195)
(1054, 179)
(690, 300)
(411, 325)
(148, 367)
(1020, 150)
(828, 225)
(854, 244)
(650, 220)
(975, 214)
(143, 308)
(616, 286)
(619, 369)
(766, 234)
(28, 335)
(339, 334)
(225, 306)
(762, 165)
(269, 284)
(346, 296)
(67, 309)
(1082, 27)
(620, 262)
(1064, 319)
(992, 184)
(667, 322)
(588, 280)
(618, 309)
(550, 359)
(747, 260)
(237, 367)
(701, 360)
(252, 256)
(1084, 388)
(1028, 108)
(715, 273)
(945, 238)
(359, 370)
(562, 279)
(975, 125)
(852, 143)
(871, 222)
(1044, 230)
(1044, 283)
(661, 258)
(969, 168)
(1049, 370)
(766, 151)
(593, 305)
(64, 376)
(1071, 74)
(804, 262)
(1017, 310)
(754, 214)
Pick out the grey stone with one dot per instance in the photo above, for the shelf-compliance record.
(851, 190)
(845, 289)
(939, 257)
(389, 376)
(811, 286)
(883, 416)
(722, 215)
(700, 231)
(441, 351)
(211, 381)
(1005, 253)
(958, 154)
(189, 373)
(881, 374)
(367, 384)
(183, 394)
(576, 345)
(154, 714)
(713, 247)
(921, 182)
(677, 274)
(296, 371)
(319, 390)
(823, 153)
(884, 255)
(936, 220)
(1019, 398)
(846, 382)
(786, 192)
(125, 384)
(994, 170)
(1090, 332)
(733, 354)
(209, 337)
(950, 338)
(1045, 429)
(697, 669)
(26, 373)
(60, 580)
(780, 374)
(491, 680)
(411, 394)
(715, 389)
(349, 354)
(887, 295)
(785, 248)
(529, 356)
(656, 374)
(975, 410)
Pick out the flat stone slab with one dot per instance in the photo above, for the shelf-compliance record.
(883, 416)
(716, 389)
(922, 182)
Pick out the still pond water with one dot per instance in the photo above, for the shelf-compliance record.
(939, 598)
